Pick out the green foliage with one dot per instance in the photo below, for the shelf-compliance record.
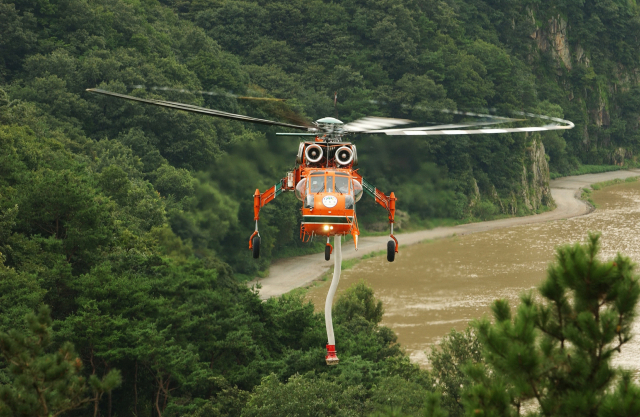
(372, 375)
(304, 396)
(623, 401)
(131, 222)
(46, 381)
(557, 351)
(20, 294)
(448, 360)
(395, 60)
(484, 210)
(588, 169)
(228, 402)
(600, 185)
(399, 396)
(358, 301)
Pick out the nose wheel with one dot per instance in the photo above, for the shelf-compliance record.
(328, 250)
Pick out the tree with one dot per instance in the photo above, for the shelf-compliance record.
(358, 301)
(447, 362)
(46, 381)
(557, 351)
(304, 396)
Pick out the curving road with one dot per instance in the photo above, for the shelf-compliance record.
(290, 273)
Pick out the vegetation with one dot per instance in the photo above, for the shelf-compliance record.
(586, 192)
(131, 223)
(46, 382)
(554, 355)
(600, 185)
(399, 59)
(588, 169)
(557, 351)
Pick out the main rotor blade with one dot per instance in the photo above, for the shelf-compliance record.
(441, 127)
(197, 109)
(370, 123)
(478, 131)
(449, 129)
(298, 134)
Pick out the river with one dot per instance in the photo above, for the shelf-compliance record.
(436, 286)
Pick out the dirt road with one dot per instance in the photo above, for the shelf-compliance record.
(287, 274)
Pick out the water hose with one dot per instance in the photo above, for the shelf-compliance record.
(332, 358)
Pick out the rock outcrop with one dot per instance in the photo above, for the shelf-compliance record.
(534, 191)
(535, 177)
(554, 36)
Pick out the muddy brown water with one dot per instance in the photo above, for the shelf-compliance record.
(436, 286)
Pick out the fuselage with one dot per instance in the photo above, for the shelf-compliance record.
(327, 183)
(329, 197)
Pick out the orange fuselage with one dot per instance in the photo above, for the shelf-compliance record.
(328, 185)
(328, 199)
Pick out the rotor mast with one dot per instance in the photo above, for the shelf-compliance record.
(330, 128)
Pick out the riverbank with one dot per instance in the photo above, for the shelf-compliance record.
(288, 274)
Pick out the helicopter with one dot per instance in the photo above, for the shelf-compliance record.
(328, 185)
(326, 178)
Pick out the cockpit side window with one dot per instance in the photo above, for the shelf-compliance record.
(342, 184)
(316, 183)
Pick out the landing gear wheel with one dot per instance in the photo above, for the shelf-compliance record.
(327, 253)
(256, 247)
(391, 251)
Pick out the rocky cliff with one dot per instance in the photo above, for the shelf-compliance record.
(533, 193)
(535, 177)
(587, 56)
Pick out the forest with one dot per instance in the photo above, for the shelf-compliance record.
(381, 58)
(124, 228)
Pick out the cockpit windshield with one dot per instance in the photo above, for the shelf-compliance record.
(342, 184)
(329, 183)
(316, 183)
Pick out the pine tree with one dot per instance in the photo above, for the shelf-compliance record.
(555, 354)
(46, 382)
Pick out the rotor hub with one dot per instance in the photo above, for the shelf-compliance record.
(332, 128)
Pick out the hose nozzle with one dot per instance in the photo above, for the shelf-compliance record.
(331, 358)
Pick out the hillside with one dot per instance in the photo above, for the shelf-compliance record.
(381, 58)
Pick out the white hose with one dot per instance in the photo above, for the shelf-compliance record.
(337, 266)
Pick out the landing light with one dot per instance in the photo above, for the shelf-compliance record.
(331, 227)
(326, 227)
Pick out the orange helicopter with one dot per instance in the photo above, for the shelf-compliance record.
(329, 186)
(327, 183)
(325, 178)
